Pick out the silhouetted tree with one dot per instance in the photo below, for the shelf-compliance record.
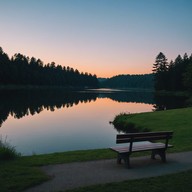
(4, 67)
(173, 76)
(129, 81)
(160, 68)
(187, 77)
(22, 70)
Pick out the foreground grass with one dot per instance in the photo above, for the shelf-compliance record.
(23, 172)
(174, 182)
(17, 177)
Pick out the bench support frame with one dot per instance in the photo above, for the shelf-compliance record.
(155, 148)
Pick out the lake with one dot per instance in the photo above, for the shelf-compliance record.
(48, 121)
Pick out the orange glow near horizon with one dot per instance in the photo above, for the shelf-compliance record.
(111, 73)
(106, 38)
(101, 68)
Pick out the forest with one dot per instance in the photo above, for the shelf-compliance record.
(174, 75)
(22, 70)
(145, 81)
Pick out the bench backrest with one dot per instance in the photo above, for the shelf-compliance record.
(146, 136)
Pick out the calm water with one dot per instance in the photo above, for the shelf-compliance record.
(45, 121)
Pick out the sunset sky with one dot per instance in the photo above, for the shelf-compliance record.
(102, 37)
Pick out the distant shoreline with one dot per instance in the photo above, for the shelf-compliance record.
(35, 87)
(20, 87)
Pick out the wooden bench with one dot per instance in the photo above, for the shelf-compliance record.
(147, 141)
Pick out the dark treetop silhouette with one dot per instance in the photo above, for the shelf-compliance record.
(22, 70)
(173, 76)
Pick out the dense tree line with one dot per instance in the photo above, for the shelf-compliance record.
(22, 70)
(129, 81)
(174, 75)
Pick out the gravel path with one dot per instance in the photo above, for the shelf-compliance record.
(79, 174)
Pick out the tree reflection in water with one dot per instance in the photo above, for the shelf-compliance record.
(19, 103)
(24, 102)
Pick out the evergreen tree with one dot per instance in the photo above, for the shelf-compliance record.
(161, 64)
(160, 69)
(4, 67)
(175, 76)
(187, 77)
(22, 70)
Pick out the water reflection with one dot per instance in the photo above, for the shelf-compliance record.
(80, 119)
(24, 102)
(83, 126)
(20, 103)
(165, 102)
(131, 96)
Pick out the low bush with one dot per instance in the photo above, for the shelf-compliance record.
(7, 152)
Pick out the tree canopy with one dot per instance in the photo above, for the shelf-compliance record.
(22, 70)
(129, 81)
(175, 75)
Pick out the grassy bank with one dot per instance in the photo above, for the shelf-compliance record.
(23, 172)
(177, 120)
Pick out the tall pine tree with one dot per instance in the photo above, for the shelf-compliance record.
(160, 68)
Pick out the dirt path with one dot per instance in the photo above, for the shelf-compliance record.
(73, 175)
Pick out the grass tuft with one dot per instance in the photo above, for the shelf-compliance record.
(7, 152)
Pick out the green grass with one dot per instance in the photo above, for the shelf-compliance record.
(17, 177)
(178, 120)
(23, 172)
(168, 183)
(67, 157)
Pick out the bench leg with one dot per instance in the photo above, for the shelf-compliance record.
(127, 162)
(160, 152)
(153, 153)
(119, 159)
(162, 155)
(125, 157)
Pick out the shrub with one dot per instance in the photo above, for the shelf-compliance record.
(7, 152)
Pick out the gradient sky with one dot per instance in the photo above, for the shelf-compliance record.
(102, 37)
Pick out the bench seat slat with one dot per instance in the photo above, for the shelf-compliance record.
(151, 136)
(141, 147)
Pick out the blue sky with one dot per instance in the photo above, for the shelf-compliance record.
(102, 37)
